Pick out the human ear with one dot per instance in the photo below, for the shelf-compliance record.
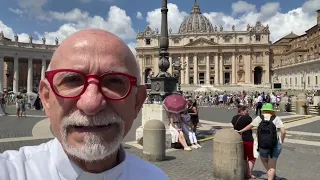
(44, 90)
(141, 96)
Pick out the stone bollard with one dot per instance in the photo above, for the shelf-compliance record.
(283, 102)
(154, 140)
(228, 163)
(301, 101)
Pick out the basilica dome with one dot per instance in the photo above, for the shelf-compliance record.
(196, 22)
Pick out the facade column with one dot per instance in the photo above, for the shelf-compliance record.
(221, 69)
(266, 68)
(16, 75)
(140, 62)
(30, 76)
(195, 69)
(208, 69)
(170, 61)
(248, 72)
(234, 66)
(43, 68)
(187, 75)
(182, 77)
(1, 73)
(216, 69)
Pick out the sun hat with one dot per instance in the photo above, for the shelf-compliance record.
(267, 107)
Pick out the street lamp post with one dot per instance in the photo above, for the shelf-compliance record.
(179, 66)
(163, 84)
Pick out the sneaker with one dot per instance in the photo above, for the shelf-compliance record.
(187, 149)
(194, 146)
(199, 146)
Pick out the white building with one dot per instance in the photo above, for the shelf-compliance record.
(212, 55)
(296, 60)
(22, 65)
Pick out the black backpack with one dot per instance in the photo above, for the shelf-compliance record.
(267, 134)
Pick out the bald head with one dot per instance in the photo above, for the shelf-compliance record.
(91, 49)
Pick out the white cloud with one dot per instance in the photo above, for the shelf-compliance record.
(85, 1)
(280, 24)
(269, 9)
(242, 7)
(33, 8)
(175, 17)
(132, 47)
(17, 11)
(139, 15)
(116, 22)
(311, 6)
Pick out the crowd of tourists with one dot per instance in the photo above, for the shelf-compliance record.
(21, 101)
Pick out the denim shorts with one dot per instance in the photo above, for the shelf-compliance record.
(266, 153)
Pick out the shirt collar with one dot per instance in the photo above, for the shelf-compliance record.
(70, 170)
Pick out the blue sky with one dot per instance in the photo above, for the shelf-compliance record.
(62, 18)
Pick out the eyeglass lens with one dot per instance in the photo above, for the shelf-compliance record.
(72, 84)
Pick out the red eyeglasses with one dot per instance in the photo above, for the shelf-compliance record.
(69, 83)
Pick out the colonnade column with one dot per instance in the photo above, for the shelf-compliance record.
(187, 76)
(195, 69)
(43, 68)
(208, 69)
(182, 70)
(234, 68)
(16, 75)
(30, 76)
(2, 72)
(221, 69)
(216, 69)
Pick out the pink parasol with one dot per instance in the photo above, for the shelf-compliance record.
(175, 103)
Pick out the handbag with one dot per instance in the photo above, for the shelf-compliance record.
(236, 122)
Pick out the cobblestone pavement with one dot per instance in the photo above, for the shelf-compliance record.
(13, 126)
(313, 127)
(295, 163)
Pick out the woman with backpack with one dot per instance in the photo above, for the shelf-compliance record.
(270, 136)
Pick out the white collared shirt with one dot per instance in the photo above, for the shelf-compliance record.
(48, 161)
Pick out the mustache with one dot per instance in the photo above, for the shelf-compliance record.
(103, 118)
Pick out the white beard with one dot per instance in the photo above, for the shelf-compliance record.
(95, 147)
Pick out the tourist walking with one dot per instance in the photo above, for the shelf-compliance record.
(270, 137)
(240, 121)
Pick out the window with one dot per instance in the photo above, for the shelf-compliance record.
(308, 80)
(240, 40)
(211, 59)
(148, 41)
(176, 41)
(190, 40)
(240, 59)
(316, 80)
(190, 60)
(290, 81)
(212, 40)
(226, 40)
(201, 60)
(258, 37)
(226, 59)
(296, 81)
(148, 61)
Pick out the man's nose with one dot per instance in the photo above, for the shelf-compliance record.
(91, 101)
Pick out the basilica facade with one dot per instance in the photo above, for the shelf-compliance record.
(209, 55)
(23, 65)
(296, 59)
